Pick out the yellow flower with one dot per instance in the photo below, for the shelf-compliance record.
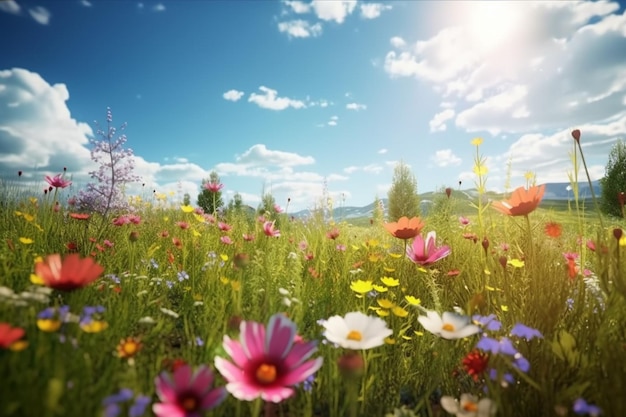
(388, 269)
(390, 282)
(399, 311)
(186, 209)
(28, 217)
(504, 308)
(199, 217)
(224, 257)
(33, 200)
(374, 257)
(48, 325)
(382, 313)
(517, 263)
(26, 241)
(129, 347)
(18, 213)
(18, 345)
(412, 300)
(236, 285)
(480, 169)
(384, 303)
(529, 175)
(390, 341)
(395, 255)
(361, 287)
(94, 326)
(224, 280)
(372, 243)
(622, 241)
(36, 279)
(477, 141)
(196, 233)
(380, 288)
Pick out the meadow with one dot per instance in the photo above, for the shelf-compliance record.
(488, 309)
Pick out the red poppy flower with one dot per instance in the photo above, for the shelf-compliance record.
(553, 229)
(70, 274)
(9, 335)
(475, 363)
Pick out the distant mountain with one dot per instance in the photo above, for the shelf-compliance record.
(554, 191)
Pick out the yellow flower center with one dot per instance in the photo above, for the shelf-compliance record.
(470, 406)
(448, 327)
(266, 373)
(130, 347)
(355, 335)
(48, 325)
(189, 403)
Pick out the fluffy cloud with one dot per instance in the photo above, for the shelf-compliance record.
(336, 10)
(10, 6)
(373, 10)
(538, 65)
(333, 121)
(445, 157)
(233, 95)
(382, 151)
(397, 42)
(259, 155)
(40, 14)
(86, 3)
(159, 7)
(270, 100)
(438, 122)
(300, 29)
(299, 7)
(356, 106)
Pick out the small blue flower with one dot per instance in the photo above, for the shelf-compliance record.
(199, 341)
(581, 407)
(154, 264)
(112, 410)
(495, 346)
(169, 284)
(488, 322)
(521, 363)
(123, 395)
(139, 406)
(182, 275)
(113, 278)
(528, 333)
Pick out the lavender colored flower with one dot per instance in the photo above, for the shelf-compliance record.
(154, 264)
(113, 278)
(528, 333)
(488, 322)
(582, 407)
(182, 275)
(505, 379)
(121, 396)
(139, 406)
(495, 346)
(521, 363)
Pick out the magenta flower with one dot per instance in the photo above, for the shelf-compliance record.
(224, 227)
(213, 186)
(425, 252)
(268, 229)
(187, 393)
(226, 240)
(57, 181)
(267, 363)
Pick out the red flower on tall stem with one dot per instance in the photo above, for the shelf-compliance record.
(522, 201)
(69, 274)
(57, 181)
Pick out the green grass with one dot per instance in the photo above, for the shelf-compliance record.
(69, 372)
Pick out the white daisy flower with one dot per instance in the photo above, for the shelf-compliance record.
(449, 325)
(356, 331)
(469, 406)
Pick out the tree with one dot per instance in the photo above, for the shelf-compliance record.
(402, 196)
(235, 204)
(614, 181)
(210, 197)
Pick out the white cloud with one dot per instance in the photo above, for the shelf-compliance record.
(86, 3)
(299, 7)
(373, 168)
(382, 151)
(40, 14)
(270, 100)
(336, 10)
(333, 121)
(300, 28)
(350, 169)
(259, 155)
(373, 10)
(438, 122)
(445, 157)
(233, 95)
(522, 66)
(397, 42)
(37, 129)
(356, 106)
(10, 6)
(159, 7)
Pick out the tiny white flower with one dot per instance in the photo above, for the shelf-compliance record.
(287, 302)
(147, 320)
(469, 406)
(169, 312)
(142, 292)
(198, 303)
(356, 331)
(283, 291)
(449, 325)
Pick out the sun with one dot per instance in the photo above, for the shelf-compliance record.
(492, 24)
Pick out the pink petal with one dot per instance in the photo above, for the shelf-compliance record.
(214, 398)
(165, 388)
(302, 372)
(182, 378)
(167, 410)
(229, 371)
(276, 394)
(243, 391)
(279, 337)
(202, 380)
(235, 351)
(252, 338)
(299, 353)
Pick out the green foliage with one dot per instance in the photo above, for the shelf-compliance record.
(402, 196)
(186, 199)
(614, 180)
(208, 200)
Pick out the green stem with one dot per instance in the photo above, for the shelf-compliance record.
(593, 193)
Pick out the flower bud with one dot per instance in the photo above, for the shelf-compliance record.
(576, 135)
(617, 232)
(351, 364)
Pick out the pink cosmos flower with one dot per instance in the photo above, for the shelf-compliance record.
(464, 221)
(183, 225)
(267, 363)
(277, 208)
(425, 252)
(226, 240)
(333, 234)
(57, 181)
(224, 227)
(213, 186)
(186, 393)
(268, 229)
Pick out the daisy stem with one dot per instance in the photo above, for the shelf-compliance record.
(434, 291)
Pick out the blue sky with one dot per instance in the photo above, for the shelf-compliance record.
(286, 96)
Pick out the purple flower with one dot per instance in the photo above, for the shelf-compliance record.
(123, 395)
(528, 333)
(581, 407)
(521, 363)
(139, 406)
(488, 322)
(495, 346)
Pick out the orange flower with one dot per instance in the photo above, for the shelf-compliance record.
(79, 216)
(70, 274)
(522, 201)
(129, 347)
(553, 229)
(405, 228)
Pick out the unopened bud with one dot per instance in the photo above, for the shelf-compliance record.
(351, 364)
(576, 135)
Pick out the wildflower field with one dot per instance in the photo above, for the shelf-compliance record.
(154, 309)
